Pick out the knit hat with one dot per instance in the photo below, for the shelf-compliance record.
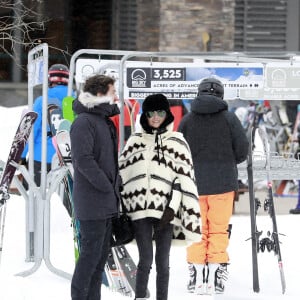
(156, 102)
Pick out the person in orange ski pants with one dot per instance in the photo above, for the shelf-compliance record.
(218, 143)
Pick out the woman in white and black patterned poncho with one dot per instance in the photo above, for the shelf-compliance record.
(159, 192)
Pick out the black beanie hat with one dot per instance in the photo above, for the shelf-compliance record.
(153, 103)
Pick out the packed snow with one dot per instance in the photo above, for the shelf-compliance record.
(44, 284)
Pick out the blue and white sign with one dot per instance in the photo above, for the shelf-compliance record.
(177, 80)
(181, 80)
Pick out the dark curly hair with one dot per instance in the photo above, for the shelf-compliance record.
(98, 84)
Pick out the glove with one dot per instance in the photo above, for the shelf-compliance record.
(167, 217)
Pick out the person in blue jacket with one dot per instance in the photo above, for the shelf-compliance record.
(58, 77)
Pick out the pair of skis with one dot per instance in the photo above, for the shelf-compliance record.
(16, 150)
(271, 241)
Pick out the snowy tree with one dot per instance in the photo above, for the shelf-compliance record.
(17, 23)
(22, 27)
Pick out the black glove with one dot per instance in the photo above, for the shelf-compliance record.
(167, 217)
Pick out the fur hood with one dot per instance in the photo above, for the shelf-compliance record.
(89, 100)
(87, 103)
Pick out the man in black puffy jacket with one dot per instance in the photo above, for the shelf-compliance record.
(96, 181)
(218, 143)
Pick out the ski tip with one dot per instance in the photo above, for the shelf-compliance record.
(24, 112)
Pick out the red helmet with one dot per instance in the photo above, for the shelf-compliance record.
(58, 74)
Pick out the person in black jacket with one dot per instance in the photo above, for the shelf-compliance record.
(218, 143)
(292, 111)
(96, 181)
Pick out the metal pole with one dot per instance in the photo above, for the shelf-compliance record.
(29, 205)
(91, 52)
(40, 194)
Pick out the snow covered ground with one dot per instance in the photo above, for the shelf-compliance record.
(43, 284)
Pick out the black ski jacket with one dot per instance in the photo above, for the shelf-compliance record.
(95, 160)
(218, 143)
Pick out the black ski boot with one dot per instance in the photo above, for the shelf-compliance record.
(295, 211)
(221, 276)
(192, 280)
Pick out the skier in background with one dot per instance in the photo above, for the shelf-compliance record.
(96, 181)
(292, 110)
(218, 143)
(58, 78)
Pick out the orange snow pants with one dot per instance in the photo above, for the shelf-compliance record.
(216, 211)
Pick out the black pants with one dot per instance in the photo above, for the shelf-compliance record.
(95, 242)
(145, 231)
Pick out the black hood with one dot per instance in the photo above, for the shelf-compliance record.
(208, 104)
(156, 102)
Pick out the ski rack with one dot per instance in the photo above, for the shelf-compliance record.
(42, 234)
(282, 167)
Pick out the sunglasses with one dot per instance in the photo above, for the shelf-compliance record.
(160, 113)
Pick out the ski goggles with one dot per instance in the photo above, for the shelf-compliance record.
(160, 113)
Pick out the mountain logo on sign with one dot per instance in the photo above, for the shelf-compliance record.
(279, 78)
(138, 77)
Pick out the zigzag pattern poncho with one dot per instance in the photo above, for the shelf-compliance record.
(149, 166)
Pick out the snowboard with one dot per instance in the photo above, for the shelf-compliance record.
(63, 148)
(127, 265)
(16, 150)
(54, 116)
(116, 277)
(64, 125)
(67, 109)
(61, 126)
(63, 143)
